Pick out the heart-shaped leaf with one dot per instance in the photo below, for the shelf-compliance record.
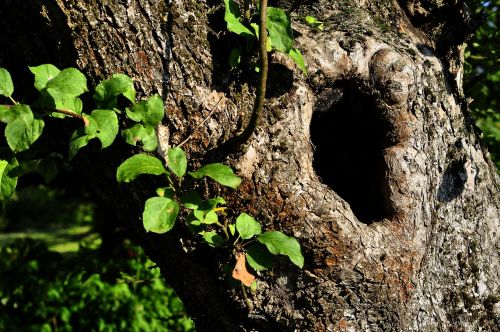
(139, 164)
(219, 172)
(6, 85)
(247, 226)
(176, 161)
(279, 26)
(279, 244)
(43, 74)
(160, 214)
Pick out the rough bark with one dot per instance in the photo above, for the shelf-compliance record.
(372, 161)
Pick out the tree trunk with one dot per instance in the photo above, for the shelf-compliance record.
(372, 161)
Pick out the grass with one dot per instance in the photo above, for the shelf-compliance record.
(49, 215)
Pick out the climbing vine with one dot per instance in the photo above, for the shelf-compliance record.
(117, 112)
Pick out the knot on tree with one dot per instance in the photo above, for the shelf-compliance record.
(393, 75)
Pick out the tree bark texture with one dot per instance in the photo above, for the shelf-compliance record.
(371, 161)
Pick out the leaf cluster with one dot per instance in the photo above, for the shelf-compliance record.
(117, 110)
(482, 74)
(279, 28)
(42, 290)
(205, 217)
(60, 94)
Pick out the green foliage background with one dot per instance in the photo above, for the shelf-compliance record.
(482, 74)
(41, 290)
(73, 285)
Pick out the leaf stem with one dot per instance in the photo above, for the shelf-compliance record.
(224, 229)
(171, 183)
(74, 115)
(247, 300)
(12, 100)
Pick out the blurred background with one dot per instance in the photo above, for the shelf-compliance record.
(65, 266)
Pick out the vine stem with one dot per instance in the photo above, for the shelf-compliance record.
(261, 88)
(241, 139)
(12, 100)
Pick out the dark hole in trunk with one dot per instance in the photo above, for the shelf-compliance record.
(350, 136)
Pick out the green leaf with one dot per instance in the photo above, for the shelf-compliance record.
(232, 229)
(6, 85)
(176, 161)
(43, 74)
(232, 17)
(213, 239)
(313, 21)
(134, 116)
(76, 143)
(23, 130)
(107, 91)
(150, 111)
(160, 214)
(259, 258)
(106, 126)
(247, 226)
(213, 202)
(102, 124)
(140, 133)
(296, 56)
(52, 98)
(80, 138)
(211, 218)
(221, 173)
(199, 215)
(7, 182)
(279, 244)
(70, 82)
(6, 115)
(139, 164)
(279, 26)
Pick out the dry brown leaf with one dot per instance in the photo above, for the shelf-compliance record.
(240, 271)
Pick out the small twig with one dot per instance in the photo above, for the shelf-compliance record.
(7, 106)
(201, 123)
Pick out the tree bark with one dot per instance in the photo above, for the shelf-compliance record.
(372, 161)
